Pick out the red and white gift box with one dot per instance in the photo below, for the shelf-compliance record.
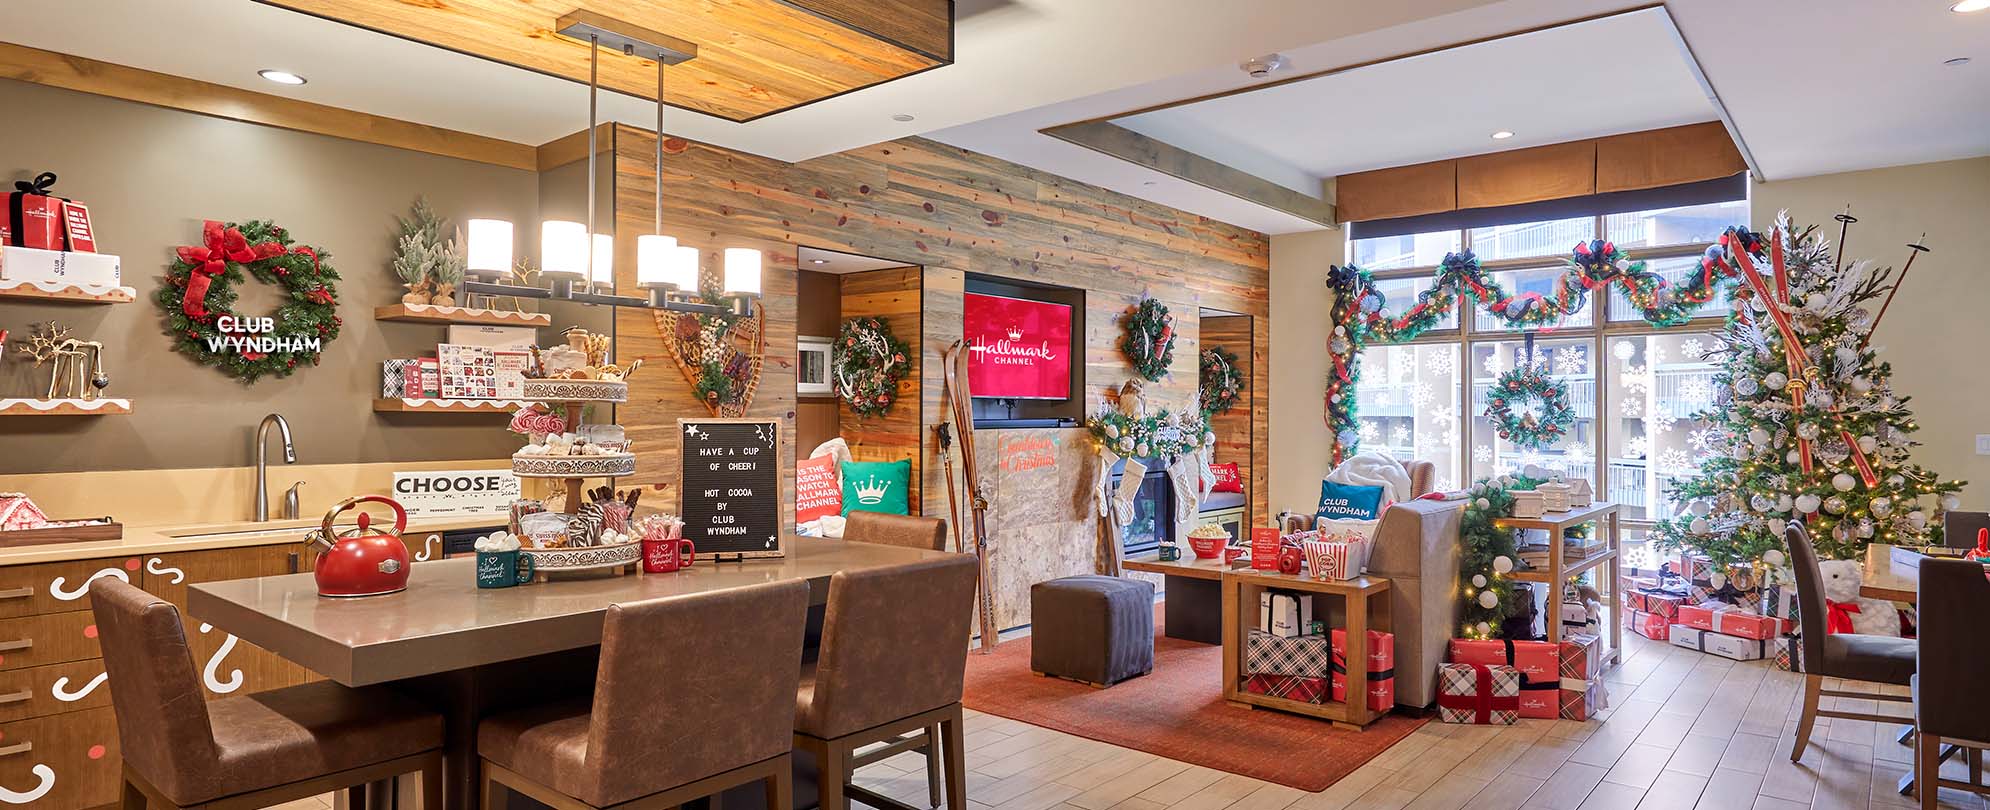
(1478, 694)
(1725, 646)
(1301, 656)
(1581, 656)
(1666, 605)
(1728, 620)
(1649, 625)
(1583, 697)
(1290, 687)
(1788, 653)
(1538, 662)
(1381, 669)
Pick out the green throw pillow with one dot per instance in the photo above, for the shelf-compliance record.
(876, 486)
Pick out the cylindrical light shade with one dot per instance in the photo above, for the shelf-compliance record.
(563, 248)
(603, 270)
(652, 259)
(489, 251)
(742, 271)
(681, 268)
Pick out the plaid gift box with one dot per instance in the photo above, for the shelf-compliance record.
(1738, 585)
(1581, 656)
(1538, 662)
(1663, 603)
(1779, 599)
(1728, 620)
(394, 378)
(1583, 697)
(1721, 644)
(1649, 625)
(1629, 583)
(1581, 617)
(1290, 687)
(1788, 652)
(1478, 694)
(1381, 669)
(1301, 656)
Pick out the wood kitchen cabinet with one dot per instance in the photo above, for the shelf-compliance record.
(228, 665)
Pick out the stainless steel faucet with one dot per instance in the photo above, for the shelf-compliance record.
(262, 460)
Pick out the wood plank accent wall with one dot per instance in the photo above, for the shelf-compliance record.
(951, 212)
(893, 294)
(1236, 431)
(818, 309)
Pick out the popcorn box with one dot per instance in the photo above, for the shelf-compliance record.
(1538, 663)
(1478, 694)
(1336, 558)
(1381, 669)
(1581, 656)
(1582, 698)
(1666, 605)
(1725, 646)
(1290, 687)
(1299, 656)
(1728, 620)
(1649, 625)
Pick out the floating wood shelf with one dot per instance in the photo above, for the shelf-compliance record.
(432, 313)
(423, 405)
(70, 293)
(64, 407)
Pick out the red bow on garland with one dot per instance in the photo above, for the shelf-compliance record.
(1838, 616)
(221, 245)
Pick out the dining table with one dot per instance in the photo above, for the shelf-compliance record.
(1887, 578)
(469, 652)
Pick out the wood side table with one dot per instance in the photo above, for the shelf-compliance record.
(1361, 611)
(1604, 514)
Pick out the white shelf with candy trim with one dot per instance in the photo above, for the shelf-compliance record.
(102, 406)
(61, 292)
(439, 313)
(434, 405)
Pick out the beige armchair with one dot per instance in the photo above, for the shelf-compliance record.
(1416, 547)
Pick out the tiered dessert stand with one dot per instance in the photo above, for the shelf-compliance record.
(571, 397)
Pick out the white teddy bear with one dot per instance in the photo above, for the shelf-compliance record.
(1875, 617)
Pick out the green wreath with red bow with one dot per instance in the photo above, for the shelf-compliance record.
(1149, 339)
(1529, 384)
(199, 297)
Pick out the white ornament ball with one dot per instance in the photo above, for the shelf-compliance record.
(1841, 533)
(1699, 525)
(1808, 431)
(1759, 436)
(1761, 503)
(1775, 380)
(1702, 508)
(1881, 506)
(1745, 387)
(1861, 384)
(1845, 356)
(1835, 505)
(1776, 526)
(1482, 503)
(1951, 502)
(1478, 580)
(1865, 528)
(1488, 600)
(1484, 629)
(1793, 457)
(1843, 482)
(1807, 503)
(1821, 398)
(1895, 480)
(1783, 502)
(1868, 444)
(1340, 330)
(1917, 519)
(1717, 579)
(1335, 399)
(1502, 563)
(1773, 557)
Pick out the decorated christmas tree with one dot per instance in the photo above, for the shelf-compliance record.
(1808, 427)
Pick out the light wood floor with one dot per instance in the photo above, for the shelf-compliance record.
(1685, 730)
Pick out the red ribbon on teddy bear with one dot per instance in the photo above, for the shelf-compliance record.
(1838, 617)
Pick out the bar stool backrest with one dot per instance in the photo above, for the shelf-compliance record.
(1954, 599)
(894, 644)
(906, 531)
(163, 729)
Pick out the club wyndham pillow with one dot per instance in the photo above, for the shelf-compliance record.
(1346, 502)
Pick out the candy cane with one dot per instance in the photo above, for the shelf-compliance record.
(55, 585)
(158, 568)
(208, 672)
(45, 774)
(61, 688)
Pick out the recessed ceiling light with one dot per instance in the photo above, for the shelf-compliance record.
(281, 76)
(818, 261)
(1956, 62)
(902, 117)
(1502, 135)
(1970, 6)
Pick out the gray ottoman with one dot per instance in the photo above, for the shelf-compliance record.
(1099, 630)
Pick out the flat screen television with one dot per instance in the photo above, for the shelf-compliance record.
(1018, 348)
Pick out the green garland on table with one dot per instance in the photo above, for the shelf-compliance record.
(1149, 340)
(1163, 434)
(1222, 384)
(870, 362)
(200, 292)
(1529, 382)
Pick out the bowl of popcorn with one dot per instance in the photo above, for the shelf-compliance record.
(1208, 540)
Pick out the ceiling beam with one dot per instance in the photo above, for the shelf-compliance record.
(1119, 142)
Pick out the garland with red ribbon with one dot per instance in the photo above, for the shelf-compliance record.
(199, 296)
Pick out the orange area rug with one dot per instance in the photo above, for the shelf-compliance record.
(1178, 711)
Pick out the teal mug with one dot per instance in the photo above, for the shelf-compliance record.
(503, 569)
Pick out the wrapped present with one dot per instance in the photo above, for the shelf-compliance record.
(394, 378)
(61, 267)
(1303, 656)
(1381, 669)
(1661, 603)
(1735, 586)
(34, 215)
(1479, 694)
(1336, 557)
(1628, 584)
(1649, 625)
(1721, 644)
(1581, 617)
(1581, 656)
(1583, 697)
(1779, 599)
(1290, 687)
(1788, 652)
(1729, 620)
(1538, 662)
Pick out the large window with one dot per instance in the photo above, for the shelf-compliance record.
(1635, 388)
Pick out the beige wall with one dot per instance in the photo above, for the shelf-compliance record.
(1300, 447)
(1936, 330)
(150, 175)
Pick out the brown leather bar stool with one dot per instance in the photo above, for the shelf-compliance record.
(1849, 656)
(1950, 706)
(886, 670)
(904, 531)
(246, 751)
(691, 700)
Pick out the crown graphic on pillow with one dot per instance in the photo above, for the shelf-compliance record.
(871, 491)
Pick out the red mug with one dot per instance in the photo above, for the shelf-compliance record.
(665, 556)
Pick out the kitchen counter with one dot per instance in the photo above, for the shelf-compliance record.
(166, 539)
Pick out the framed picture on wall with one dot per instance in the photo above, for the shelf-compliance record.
(812, 366)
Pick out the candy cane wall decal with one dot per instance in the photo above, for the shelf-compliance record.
(207, 673)
(61, 688)
(428, 547)
(158, 567)
(45, 774)
(55, 585)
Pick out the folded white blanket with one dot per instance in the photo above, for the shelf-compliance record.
(1373, 468)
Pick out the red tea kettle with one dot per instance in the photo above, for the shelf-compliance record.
(361, 561)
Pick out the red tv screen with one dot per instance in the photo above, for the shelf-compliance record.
(1020, 349)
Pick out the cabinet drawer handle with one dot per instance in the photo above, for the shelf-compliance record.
(16, 644)
(17, 697)
(17, 748)
(23, 592)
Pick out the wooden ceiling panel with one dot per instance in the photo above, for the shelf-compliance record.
(755, 57)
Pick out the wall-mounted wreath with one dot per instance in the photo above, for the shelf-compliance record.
(199, 296)
(1528, 407)
(1149, 341)
(869, 363)
(1222, 383)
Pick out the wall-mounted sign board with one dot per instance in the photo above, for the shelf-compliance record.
(729, 488)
